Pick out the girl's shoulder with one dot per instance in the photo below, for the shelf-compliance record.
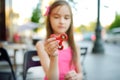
(77, 48)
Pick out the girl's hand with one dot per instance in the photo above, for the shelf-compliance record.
(51, 46)
(72, 75)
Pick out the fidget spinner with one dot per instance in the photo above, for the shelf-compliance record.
(60, 38)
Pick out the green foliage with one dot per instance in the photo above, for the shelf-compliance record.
(86, 28)
(92, 26)
(116, 22)
(81, 28)
(36, 15)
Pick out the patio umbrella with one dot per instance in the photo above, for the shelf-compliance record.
(28, 26)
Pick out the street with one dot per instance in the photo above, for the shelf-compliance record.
(103, 66)
(97, 66)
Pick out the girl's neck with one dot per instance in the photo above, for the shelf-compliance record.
(57, 33)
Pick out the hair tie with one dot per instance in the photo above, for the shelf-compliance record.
(47, 10)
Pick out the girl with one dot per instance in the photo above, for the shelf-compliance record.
(59, 64)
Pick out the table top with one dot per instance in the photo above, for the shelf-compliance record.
(14, 46)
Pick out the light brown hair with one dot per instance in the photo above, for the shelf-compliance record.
(69, 32)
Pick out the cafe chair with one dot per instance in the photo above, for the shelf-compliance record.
(5, 57)
(83, 54)
(29, 62)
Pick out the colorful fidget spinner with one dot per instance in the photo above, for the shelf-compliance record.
(60, 39)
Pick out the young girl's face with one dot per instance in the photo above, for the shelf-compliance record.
(60, 19)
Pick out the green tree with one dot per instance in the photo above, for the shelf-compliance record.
(116, 22)
(92, 26)
(81, 29)
(36, 15)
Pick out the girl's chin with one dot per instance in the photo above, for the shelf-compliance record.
(59, 33)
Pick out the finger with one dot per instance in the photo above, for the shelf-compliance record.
(67, 76)
(52, 48)
(71, 74)
(73, 78)
(53, 44)
(49, 40)
(48, 44)
(47, 50)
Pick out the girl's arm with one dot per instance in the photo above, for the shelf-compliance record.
(49, 64)
(78, 64)
(75, 74)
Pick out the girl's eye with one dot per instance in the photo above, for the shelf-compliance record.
(67, 17)
(56, 17)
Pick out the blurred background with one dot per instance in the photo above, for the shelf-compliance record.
(96, 26)
(18, 15)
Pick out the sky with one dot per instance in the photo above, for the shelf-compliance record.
(86, 10)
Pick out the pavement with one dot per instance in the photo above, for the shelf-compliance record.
(99, 66)
(103, 66)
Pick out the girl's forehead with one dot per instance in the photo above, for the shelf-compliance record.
(63, 9)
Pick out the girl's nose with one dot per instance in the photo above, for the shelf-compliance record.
(62, 20)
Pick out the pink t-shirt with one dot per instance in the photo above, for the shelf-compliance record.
(64, 58)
